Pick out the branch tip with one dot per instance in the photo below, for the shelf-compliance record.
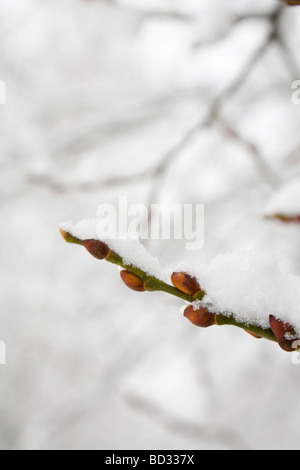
(69, 238)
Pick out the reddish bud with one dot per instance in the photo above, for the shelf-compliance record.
(201, 317)
(253, 334)
(97, 249)
(284, 332)
(132, 281)
(286, 219)
(186, 283)
(292, 2)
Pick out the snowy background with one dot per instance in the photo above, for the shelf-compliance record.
(162, 101)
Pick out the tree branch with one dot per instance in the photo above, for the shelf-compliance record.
(141, 281)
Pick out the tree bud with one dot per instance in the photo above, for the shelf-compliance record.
(186, 283)
(201, 317)
(292, 2)
(132, 281)
(284, 332)
(97, 249)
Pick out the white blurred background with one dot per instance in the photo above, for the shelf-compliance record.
(162, 101)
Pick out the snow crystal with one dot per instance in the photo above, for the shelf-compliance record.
(286, 201)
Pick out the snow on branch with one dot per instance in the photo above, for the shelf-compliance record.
(242, 289)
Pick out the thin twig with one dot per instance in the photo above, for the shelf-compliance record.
(152, 284)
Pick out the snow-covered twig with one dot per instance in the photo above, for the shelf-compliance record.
(186, 288)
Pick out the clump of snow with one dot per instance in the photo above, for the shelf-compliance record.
(131, 250)
(83, 230)
(291, 336)
(286, 201)
(251, 287)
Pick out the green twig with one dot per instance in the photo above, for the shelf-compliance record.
(153, 284)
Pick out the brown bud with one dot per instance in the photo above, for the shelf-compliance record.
(253, 334)
(284, 332)
(200, 317)
(186, 283)
(292, 2)
(286, 219)
(97, 248)
(132, 281)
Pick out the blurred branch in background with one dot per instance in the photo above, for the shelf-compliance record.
(197, 432)
(292, 2)
(213, 115)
